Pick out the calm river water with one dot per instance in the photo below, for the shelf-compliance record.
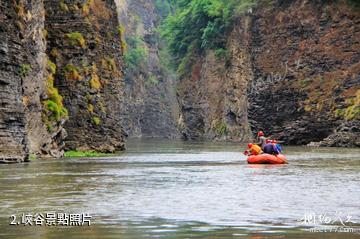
(173, 189)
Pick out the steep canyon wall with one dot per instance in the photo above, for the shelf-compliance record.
(61, 79)
(292, 70)
(23, 62)
(84, 42)
(151, 107)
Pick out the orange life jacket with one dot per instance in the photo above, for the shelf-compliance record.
(255, 150)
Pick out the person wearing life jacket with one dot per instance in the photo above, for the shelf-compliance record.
(253, 149)
(261, 139)
(277, 146)
(278, 149)
(270, 148)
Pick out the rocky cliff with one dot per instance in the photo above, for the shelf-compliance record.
(292, 70)
(213, 97)
(23, 88)
(307, 72)
(12, 115)
(84, 43)
(60, 61)
(151, 104)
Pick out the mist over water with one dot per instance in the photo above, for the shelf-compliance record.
(175, 189)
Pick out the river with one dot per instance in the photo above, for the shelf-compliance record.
(175, 189)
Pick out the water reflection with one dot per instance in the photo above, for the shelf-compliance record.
(183, 189)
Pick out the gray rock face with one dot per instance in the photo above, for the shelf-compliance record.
(87, 71)
(346, 135)
(151, 107)
(22, 54)
(305, 69)
(85, 44)
(293, 72)
(213, 96)
(13, 145)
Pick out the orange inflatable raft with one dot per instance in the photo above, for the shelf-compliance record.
(267, 159)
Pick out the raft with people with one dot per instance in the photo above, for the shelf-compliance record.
(265, 151)
(267, 159)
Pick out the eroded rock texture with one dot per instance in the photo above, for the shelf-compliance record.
(84, 41)
(213, 98)
(23, 65)
(12, 114)
(293, 71)
(58, 55)
(306, 69)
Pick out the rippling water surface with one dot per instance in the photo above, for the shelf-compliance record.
(172, 189)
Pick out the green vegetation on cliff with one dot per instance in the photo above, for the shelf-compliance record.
(121, 31)
(24, 70)
(76, 38)
(72, 72)
(352, 110)
(55, 101)
(136, 54)
(54, 109)
(198, 25)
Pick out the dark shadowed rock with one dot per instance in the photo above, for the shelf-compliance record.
(346, 135)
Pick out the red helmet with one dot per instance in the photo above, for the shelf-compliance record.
(268, 141)
(250, 145)
(260, 133)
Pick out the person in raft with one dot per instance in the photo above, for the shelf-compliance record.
(270, 148)
(277, 146)
(261, 139)
(253, 149)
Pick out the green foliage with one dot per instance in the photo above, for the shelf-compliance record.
(72, 72)
(221, 54)
(70, 67)
(57, 111)
(165, 60)
(153, 80)
(55, 102)
(221, 128)
(136, 54)
(165, 7)
(51, 66)
(76, 38)
(201, 24)
(90, 108)
(64, 7)
(32, 157)
(352, 111)
(24, 70)
(121, 31)
(77, 154)
(95, 82)
(49, 127)
(96, 120)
